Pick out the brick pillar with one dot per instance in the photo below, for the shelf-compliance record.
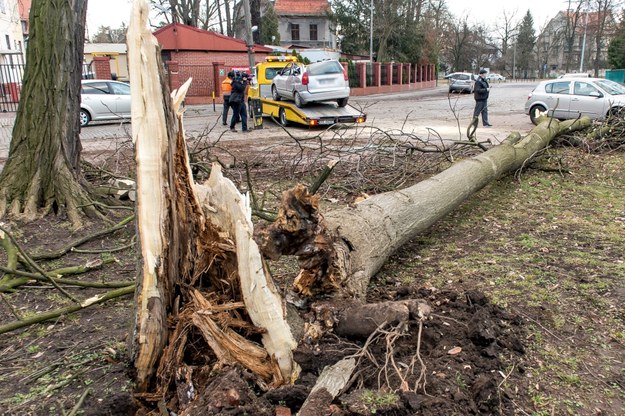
(174, 75)
(102, 67)
(362, 73)
(389, 73)
(400, 74)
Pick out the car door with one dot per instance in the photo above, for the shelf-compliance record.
(558, 98)
(586, 100)
(97, 97)
(281, 80)
(294, 80)
(121, 93)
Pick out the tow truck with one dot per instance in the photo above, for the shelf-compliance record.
(286, 112)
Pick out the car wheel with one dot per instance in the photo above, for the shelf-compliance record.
(616, 112)
(298, 100)
(342, 102)
(536, 112)
(274, 93)
(282, 118)
(85, 118)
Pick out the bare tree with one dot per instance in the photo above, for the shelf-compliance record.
(506, 29)
(604, 24)
(572, 23)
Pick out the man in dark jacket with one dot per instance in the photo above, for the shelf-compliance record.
(236, 99)
(480, 94)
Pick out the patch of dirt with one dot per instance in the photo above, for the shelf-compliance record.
(491, 345)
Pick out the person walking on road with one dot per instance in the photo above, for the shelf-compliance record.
(226, 89)
(480, 94)
(236, 100)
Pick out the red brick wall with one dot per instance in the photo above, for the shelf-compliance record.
(199, 66)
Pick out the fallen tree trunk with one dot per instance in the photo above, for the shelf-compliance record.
(366, 234)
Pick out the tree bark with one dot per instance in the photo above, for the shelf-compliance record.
(42, 170)
(198, 259)
(366, 234)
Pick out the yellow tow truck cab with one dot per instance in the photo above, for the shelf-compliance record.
(286, 112)
(265, 71)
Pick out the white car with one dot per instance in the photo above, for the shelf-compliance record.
(495, 77)
(104, 100)
(568, 98)
(317, 82)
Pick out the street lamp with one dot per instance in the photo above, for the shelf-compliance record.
(371, 33)
(249, 43)
(581, 58)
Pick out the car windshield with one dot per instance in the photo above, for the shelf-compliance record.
(611, 87)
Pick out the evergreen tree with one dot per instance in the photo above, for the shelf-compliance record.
(616, 50)
(269, 26)
(525, 44)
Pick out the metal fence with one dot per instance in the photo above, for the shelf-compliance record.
(11, 76)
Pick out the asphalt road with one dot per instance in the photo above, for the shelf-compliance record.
(427, 113)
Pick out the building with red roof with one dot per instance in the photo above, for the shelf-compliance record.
(205, 56)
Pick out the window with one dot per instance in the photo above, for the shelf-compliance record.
(313, 32)
(120, 89)
(8, 40)
(294, 31)
(560, 87)
(95, 88)
(583, 88)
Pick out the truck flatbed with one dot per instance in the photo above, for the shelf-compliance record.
(318, 114)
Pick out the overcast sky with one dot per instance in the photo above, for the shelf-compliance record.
(113, 12)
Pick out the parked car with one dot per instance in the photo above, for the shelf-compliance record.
(493, 76)
(454, 75)
(104, 100)
(575, 75)
(461, 82)
(569, 98)
(317, 82)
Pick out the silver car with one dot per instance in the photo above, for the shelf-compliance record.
(461, 82)
(569, 98)
(317, 82)
(104, 100)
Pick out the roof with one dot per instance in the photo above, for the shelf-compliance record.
(119, 48)
(176, 36)
(301, 7)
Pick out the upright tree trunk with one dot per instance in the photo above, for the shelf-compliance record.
(198, 259)
(43, 165)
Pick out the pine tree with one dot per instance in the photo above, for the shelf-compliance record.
(616, 50)
(525, 44)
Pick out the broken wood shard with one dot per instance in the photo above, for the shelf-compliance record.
(231, 211)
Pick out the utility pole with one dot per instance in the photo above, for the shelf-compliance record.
(581, 58)
(371, 33)
(248, 37)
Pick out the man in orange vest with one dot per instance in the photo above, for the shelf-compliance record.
(226, 89)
